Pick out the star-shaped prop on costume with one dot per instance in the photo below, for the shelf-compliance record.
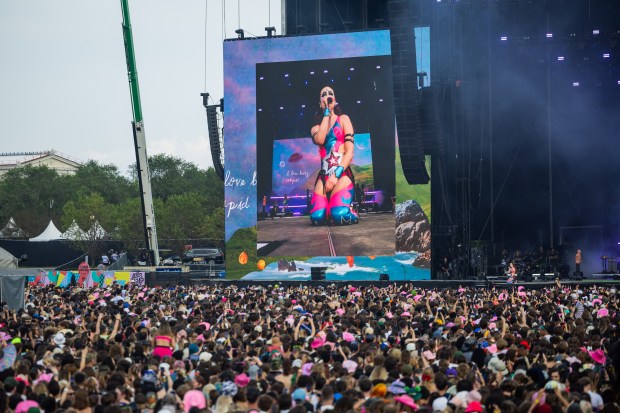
(333, 159)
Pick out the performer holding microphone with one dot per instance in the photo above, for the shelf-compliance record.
(334, 188)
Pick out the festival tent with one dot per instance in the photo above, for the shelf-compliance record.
(51, 233)
(74, 232)
(96, 231)
(11, 230)
(7, 260)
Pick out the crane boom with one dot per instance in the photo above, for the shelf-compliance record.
(144, 176)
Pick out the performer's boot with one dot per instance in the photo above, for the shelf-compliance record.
(340, 207)
(318, 209)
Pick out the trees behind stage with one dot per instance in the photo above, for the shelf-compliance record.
(188, 201)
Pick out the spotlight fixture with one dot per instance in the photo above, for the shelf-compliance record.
(605, 55)
(549, 35)
(240, 33)
(596, 31)
(561, 58)
(575, 84)
(503, 38)
(270, 31)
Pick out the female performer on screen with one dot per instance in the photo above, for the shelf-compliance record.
(334, 188)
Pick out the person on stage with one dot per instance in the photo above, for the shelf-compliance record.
(334, 188)
(512, 273)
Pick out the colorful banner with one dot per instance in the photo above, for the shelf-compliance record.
(91, 279)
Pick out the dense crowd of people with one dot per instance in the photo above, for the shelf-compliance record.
(304, 349)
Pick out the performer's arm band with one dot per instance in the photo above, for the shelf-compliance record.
(326, 112)
(338, 172)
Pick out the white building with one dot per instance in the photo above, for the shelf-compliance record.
(61, 163)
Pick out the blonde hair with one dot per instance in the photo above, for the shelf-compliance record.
(378, 373)
(222, 405)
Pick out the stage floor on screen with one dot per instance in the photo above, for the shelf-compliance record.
(295, 236)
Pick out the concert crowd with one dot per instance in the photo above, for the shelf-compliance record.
(300, 349)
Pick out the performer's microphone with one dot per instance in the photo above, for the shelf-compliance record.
(330, 100)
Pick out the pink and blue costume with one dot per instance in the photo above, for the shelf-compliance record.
(338, 205)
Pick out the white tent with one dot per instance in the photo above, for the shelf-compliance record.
(51, 233)
(11, 230)
(7, 260)
(96, 231)
(74, 232)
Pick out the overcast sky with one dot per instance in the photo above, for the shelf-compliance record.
(64, 78)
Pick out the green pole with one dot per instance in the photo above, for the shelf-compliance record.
(132, 72)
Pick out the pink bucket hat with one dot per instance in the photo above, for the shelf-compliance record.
(194, 398)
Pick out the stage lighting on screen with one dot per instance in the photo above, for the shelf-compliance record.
(575, 84)
(561, 58)
(605, 55)
(503, 38)
(549, 35)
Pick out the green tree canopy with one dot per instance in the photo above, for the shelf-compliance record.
(103, 179)
(174, 176)
(32, 195)
(188, 201)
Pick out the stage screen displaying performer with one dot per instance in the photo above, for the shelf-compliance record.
(325, 157)
(312, 179)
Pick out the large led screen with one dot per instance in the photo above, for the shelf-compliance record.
(273, 92)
